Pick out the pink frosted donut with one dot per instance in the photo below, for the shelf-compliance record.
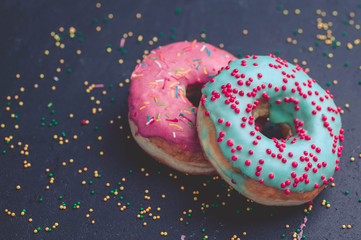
(162, 117)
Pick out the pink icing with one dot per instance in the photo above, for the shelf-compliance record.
(157, 103)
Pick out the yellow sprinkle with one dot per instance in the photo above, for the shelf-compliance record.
(46, 52)
(349, 46)
(204, 70)
(18, 187)
(98, 5)
(348, 226)
(328, 66)
(120, 61)
(310, 49)
(175, 125)
(138, 15)
(334, 13)
(245, 32)
(285, 12)
(343, 226)
(175, 83)
(141, 108)
(297, 11)
(352, 159)
(335, 82)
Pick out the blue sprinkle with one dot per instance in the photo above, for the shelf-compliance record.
(197, 60)
(148, 118)
(181, 114)
(208, 52)
(176, 91)
(212, 75)
(198, 66)
(143, 64)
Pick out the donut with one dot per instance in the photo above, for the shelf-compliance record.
(162, 117)
(233, 110)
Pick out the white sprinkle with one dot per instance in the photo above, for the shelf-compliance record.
(159, 80)
(151, 120)
(173, 134)
(204, 46)
(56, 78)
(158, 64)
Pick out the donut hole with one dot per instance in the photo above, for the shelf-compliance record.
(268, 128)
(193, 93)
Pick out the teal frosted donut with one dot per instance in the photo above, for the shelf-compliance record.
(287, 171)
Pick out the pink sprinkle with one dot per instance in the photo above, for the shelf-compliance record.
(98, 85)
(122, 42)
(83, 122)
(183, 237)
(299, 235)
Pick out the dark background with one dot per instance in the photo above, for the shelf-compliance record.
(25, 28)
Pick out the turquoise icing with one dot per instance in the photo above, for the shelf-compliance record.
(289, 171)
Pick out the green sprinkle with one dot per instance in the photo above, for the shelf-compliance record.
(112, 99)
(318, 44)
(347, 192)
(161, 34)
(92, 192)
(50, 104)
(172, 37)
(172, 29)
(298, 230)
(40, 199)
(96, 128)
(325, 53)
(69, 70)
(110, 85)
(95, 20)
(177, 11)
(124, 51)
(106, 19)
(60, 197)
(344, 34)
(347, 64)
(283, 235)
(279, 7)
(346, 21)
(52, 111)
(239, 55)
(328, 83)
(277, 52)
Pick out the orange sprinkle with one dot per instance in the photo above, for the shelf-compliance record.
(194, 42)
(161, 56)
(151, 95)
(139, 75)
(141, 108)
(175, 125)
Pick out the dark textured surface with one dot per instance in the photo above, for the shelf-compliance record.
(25, 33)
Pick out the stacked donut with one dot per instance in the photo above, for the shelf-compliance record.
(237, 100)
